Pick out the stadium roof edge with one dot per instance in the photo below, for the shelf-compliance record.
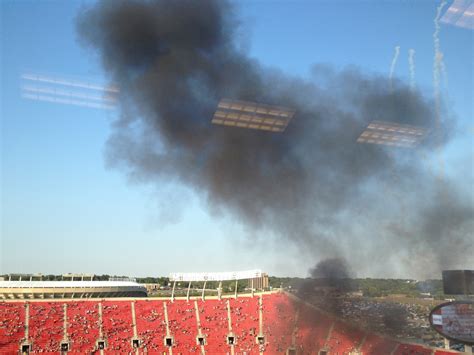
(216, 276)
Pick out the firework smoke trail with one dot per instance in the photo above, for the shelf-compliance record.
(394, 63)
(442, 67)
(437, 65)
(411, 63)
(438, 60)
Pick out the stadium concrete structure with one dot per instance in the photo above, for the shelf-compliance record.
(70, 289)
(265, 323)
(257, 280)
(255, 323)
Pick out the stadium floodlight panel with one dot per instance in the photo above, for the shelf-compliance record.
(252, 115)
(67, 93)
(46, 79)
(392, 134)
(215, 276)
(67, 101)
(460, 14)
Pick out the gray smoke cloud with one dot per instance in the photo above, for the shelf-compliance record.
(313, 184)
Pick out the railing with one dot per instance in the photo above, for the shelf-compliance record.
(131, 279)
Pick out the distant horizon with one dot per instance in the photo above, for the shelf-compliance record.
(281, 277)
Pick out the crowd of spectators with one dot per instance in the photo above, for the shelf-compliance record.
(344, 338)
(12, 326)
(151, 325)
(375, 344)
(214, 325)
(83, 325)
(312, 328)
(183, 326)
(245, 321)
(279, 313)
(117, 325)
(286, 324)
(405, 321)
(46, 325)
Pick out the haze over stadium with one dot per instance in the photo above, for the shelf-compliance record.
(295, 197)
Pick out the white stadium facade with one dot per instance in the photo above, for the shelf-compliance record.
(70, 289)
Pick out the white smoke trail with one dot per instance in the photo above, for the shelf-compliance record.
(437, 65)
(392, 66)
(444, 74)
(411, 64)
(438, 61)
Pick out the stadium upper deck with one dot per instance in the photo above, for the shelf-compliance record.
(69, 289)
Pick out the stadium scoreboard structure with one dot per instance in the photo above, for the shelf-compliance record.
(392, 134)
(252, 115)
(458, 282)
(454, 321)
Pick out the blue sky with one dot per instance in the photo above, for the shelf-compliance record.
(62, 208)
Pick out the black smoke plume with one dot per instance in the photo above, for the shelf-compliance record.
(312, 184)
(328, 285)
(395, 318)
(333, 272)
(329, 288)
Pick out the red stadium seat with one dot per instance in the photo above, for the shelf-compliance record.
(312, 329)
(46, 326)
(412, 349)
(183, 326)
(12, 326)
(83, 325)
(117, 325)
(344, 339)
(374, 345)
(286, 324)
(279, 319)
(151, 327)
(214, 325)
(245, 324)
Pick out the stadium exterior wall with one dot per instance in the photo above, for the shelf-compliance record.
(69, 289)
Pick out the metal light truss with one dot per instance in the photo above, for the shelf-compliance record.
(392, 134)
(69, 91)
(252, 115)
(67, 101)
(460, 13)
(68, 82)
